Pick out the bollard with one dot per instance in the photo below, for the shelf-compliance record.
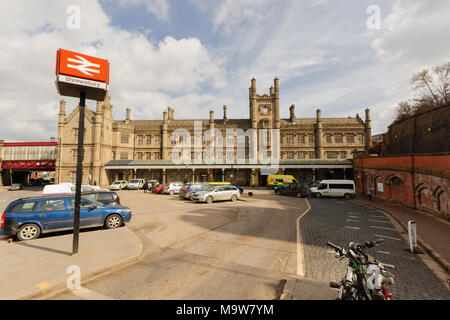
(412, 235)
(250, 196)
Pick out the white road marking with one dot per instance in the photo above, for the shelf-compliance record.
(377, 216)
(356, 228)
(385, 252)
(349, 220)
(353, 212)
(380, 221)
(383, 228)
(300, 250)
(89, 294)
(381, 236)
(356, 217)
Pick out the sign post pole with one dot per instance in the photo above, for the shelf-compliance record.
(412, 234)
(79, 177)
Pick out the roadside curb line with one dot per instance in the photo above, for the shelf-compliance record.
(301, 267)
(435, 255)
(60, 287)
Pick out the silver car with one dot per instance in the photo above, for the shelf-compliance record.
(173, 187)
(218, 193)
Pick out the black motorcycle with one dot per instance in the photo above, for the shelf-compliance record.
(364, 279)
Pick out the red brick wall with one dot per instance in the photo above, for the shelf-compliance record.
(420, 182)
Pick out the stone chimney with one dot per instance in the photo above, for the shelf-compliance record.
(170, 113)
(225, 113)
(128, 114)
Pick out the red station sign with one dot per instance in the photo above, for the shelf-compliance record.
(76, 72)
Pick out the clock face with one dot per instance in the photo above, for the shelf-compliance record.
(265, 110)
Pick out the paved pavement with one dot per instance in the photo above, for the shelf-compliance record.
(34, 267)
(341, 221)
(226, 250)
(433, 233)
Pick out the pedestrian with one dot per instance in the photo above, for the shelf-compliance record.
(369, 192)
(145, 187)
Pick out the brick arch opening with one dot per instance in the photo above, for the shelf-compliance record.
(425, 198)
(395, 184)
(441, 199)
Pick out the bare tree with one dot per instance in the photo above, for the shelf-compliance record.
(442, 73)
(423, 80)
(403, 111)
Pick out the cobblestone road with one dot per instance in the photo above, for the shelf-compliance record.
(341, 221)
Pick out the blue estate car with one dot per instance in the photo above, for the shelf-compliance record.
(27, 218)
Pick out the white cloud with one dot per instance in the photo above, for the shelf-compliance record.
(415, 31)
(158, 7)
(172, 67)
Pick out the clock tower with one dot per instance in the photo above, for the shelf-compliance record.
(265, 114)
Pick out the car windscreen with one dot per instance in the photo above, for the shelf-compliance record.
(117, 182)
(134, 181)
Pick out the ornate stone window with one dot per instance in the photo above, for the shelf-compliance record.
(344, 154)
(350, 138)
(148, 156)
(149, 139)
(301, 138)
(302, 155)
(290, 155)
(311, 155)
(289, 138)
(338, 138)
(311, 138)
(328, 138)
(140, 139)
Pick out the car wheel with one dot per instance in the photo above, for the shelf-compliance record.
(28, 231)
(113, 221)
(171, 192)
(209, 200)
(191, 197)
(347, 196)
(233, 198)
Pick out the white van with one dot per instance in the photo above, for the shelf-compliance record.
(334, 188)
(60, 188)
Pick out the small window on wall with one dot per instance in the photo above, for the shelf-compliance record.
(139, 155)
(149, 139)
(123, 156)
(344, 154)
(328, 138)
(156, 139)
(124, 138)
(140, 139)
(301, 138)
(360, 138)
(156, 155)
(290, 155)
(148, 156)
(312, 155)
(311, 138)
(332, 155)
(302, 155)
(290, 138)
(338, 138)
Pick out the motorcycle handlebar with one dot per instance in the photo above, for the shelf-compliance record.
(334, 246)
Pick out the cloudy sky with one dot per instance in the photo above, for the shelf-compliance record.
(197, 55)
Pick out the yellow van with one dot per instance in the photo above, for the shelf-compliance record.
(277, 180)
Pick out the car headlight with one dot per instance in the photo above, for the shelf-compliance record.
(126, 210)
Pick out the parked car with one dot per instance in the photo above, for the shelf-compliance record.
(211, 194)
(152, 184)
(334, 188)
(118, 185)
(158, 189)
(241, 190)
(28, 218)
(172, 188)
(15, 186)
(108, 198)
(188, 190)
(136, 184)
(299, 190)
